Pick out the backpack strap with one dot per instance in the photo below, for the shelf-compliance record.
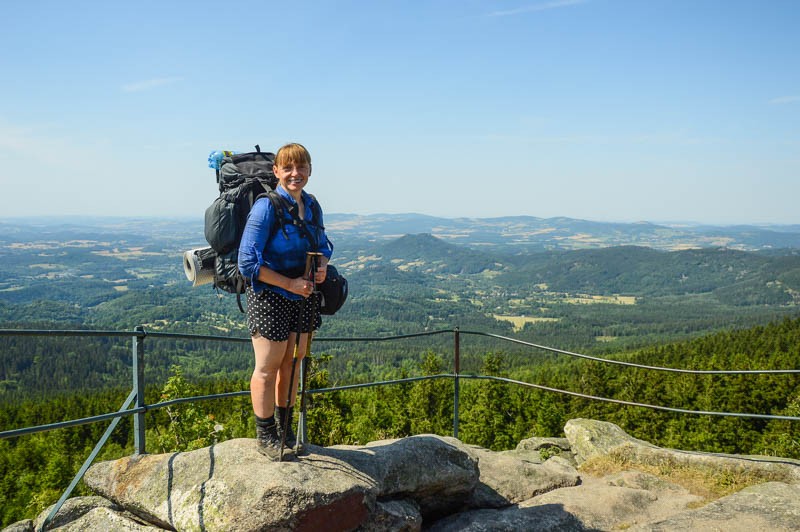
(239, 302)
(316, 212)
(282, 206)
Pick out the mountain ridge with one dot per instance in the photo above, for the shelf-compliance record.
(511, 233)
(530, 232)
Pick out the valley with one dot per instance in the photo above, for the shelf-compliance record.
(118, 274)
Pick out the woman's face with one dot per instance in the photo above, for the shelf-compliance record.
(292, 176)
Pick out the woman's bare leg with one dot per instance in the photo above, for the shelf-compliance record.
(269, 356)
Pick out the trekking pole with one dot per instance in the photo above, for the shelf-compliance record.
(310, 260)
(302, 435)
(301, 422)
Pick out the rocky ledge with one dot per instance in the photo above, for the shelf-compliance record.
(436, 483)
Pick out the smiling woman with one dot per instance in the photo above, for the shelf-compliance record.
(282, 310)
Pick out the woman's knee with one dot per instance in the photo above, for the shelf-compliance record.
(268, 356)
(265, 373)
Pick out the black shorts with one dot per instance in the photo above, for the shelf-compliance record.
(274, 316)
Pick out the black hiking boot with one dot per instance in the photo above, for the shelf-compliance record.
(281, 415)
(268, 442)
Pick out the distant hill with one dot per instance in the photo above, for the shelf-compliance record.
(508, 234)
(736, 277)
(438, 255)
(529, 232)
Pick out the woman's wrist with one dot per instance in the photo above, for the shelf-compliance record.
(271, 277)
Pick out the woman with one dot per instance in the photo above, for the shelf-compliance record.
(273, 260)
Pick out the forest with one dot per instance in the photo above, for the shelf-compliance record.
(36, 468)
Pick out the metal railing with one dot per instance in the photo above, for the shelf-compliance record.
(136, 407)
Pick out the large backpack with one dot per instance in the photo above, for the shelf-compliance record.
(242, 178)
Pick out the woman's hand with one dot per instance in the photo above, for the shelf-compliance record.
(301, 287)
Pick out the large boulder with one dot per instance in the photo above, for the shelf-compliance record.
(230, 486)
(435, 471)
(532, 519)
(617, 501)
(506, 480)
(591, 439)
(613, 503)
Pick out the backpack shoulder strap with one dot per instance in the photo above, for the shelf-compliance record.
(281, 207)
(316, 212)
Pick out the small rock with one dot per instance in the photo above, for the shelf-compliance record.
(536, 444)
(397, 516)
(26, 525)
(73, 509)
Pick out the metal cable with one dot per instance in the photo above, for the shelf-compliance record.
(641, 366)
(630, 403)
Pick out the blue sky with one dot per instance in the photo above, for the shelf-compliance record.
(662, 110)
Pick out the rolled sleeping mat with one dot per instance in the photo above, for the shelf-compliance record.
(198, 265)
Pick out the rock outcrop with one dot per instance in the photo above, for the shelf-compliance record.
(434, 482)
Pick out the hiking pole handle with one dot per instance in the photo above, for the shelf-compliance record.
(312, 259)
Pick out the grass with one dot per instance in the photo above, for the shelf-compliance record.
(606, 338)
(519, 321)
(710, 482)
(590, 299)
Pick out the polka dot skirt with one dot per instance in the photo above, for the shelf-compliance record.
(274, 316)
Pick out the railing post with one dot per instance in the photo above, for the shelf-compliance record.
(457, 368)
(139, 444)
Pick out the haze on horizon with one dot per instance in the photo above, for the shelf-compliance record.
(603, 110)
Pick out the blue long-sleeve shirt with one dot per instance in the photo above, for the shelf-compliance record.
(284, 251)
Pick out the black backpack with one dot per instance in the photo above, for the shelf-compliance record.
(333, 292)
(241, 178)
